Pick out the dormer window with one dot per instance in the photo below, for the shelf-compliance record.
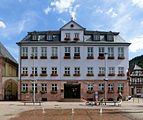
(102, 37)
(34, 37)
(109, 37)
(96, 37)
(41, 37)
(67, 36)
(49, 37)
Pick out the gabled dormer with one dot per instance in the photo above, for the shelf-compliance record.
(72, 31)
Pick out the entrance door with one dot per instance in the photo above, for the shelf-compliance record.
(10, 90)
(72, 91)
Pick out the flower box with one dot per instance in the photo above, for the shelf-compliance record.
(101, 57)
(111, 57)
(24, 91)
(33, 74)
(76, 75)
(43, 92)
(66, 74)
(122, 74)
(90, 57)
(101, 74)
(121, 57)
(110, 91)
(33, 57)
(43, 74)
(90, 91)
(76, 39)
(66, 38)
(54, 57)
(111, 74)
(54, 92)
(89, 75)
(43, 57)
(54, 74)
(24, 74)
(67, 57)
(101, 92)
(76, 57)
(24, 57)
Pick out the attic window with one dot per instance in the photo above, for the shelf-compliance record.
(72, 25)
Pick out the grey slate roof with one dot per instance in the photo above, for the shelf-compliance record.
(5, 53)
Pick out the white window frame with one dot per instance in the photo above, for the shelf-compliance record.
(54, 87)
(110, 87)
(101, 86)
(36, 87)
(49, 37)
(67, 70)
(120, 70)
(54, 70)
(67, 35)
(90, 51)
(24, 87)
(101, 50)
(43, 70)
(24, 51)
(121, 52)
(120, 87)
(40, 37)
(90, 87)
(111, 70)
(34, 70)
(44, 51)
(77, 70)
(54, 51)
(110, 51)
(101, 70)
(90, 70)
(34, 51)
(76, 35)
(25, 70)
(44, 87)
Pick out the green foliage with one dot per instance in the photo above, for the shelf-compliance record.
(137, 60)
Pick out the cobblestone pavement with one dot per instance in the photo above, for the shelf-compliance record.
(133, 108)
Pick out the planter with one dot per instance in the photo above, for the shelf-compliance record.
(33, 75)
(33, 57)
(111, 74)
(76, 39)
(43, 57)
(90, 75)
(54, 57)
(101, 92)
(24, 57)
(110, 91)
(76, 57)
(43, 92)
(67, 57)
(101, 57)
(43, 74)
(24, 74)
(90, 57)
(121, 74)
(66, 39)
(111, 57)
(121, 57)
(101, 74)
(66, 74)
(24, 92)
(54, 74)
(54, 92)
(90, 91)
(77, 75)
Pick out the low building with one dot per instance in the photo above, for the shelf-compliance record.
(8, 75)
(73, 63)
(136, 82)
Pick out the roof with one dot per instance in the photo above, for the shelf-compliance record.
(5, 53)
(136, 67)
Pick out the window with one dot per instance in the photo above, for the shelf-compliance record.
(90, 71)
(90, 53)
(90, 87)
(34, 71)
(110, 37)
(101, 71)
(44, 87)
(76, 36)
(110, 53)
(34, 52)
(111, 71)
(24, 87)
(110, 87)
(34, 37)
(101, 53)
(77, 53)
(101, 87)
(54, 53)
(67, 35)
(41, 37)
(43, 52)
(67, 53)
(120, 53)
(25, 52)
(77, 71)
(96, 37)
(120, 87)
(120, 71)
(54, 71)
(24, 71)
(102, 38)
(33, 87)
(54, 87)
(44, 71)
(49, 37)
(67, 71)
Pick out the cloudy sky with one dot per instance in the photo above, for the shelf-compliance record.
(17, 17)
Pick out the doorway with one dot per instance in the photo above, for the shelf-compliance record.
(72, 91)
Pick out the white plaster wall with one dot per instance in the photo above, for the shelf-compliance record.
(83, 63)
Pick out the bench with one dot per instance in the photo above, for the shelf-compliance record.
(34, 103)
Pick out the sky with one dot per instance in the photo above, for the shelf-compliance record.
(17, 17)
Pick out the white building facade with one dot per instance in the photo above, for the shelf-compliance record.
(73, 63)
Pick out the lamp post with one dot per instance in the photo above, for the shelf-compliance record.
(106, 77)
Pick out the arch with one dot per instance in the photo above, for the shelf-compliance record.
(10, 90)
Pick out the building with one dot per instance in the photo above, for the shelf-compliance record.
(136, 81)
(70, 63)
(8, 75)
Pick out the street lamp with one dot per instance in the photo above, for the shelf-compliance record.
(106, 76)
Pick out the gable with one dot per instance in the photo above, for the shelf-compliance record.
(72, 25)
